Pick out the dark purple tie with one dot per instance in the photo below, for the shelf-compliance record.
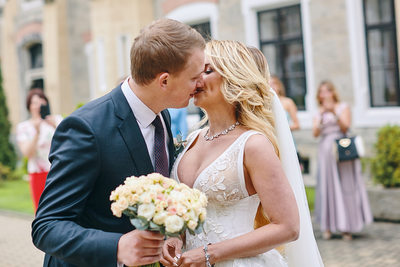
(160, 154)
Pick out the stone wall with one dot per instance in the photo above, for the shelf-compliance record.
(78, 17)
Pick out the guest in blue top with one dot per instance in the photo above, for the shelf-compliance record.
(178, 121)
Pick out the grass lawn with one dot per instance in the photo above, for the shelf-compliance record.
(310, 192)
(15, 196)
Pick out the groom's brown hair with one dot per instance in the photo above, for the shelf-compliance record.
(163, 46)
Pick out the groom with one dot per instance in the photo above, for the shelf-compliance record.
(124, 133)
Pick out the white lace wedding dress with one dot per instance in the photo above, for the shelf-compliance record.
(230, 210)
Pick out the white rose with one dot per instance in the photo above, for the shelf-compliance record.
(190, 215)
(147, 211)
(133, 199)
(160, 217)
(145, 198)
(123, 203)
(203, 215)
(180, 210)
(192, 225)
(156, 177)
(173, 224)
(116, 209)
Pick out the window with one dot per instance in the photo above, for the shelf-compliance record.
(204, 29)
(123, 55)
(38, 83)
(281, 41)
(380, 34)
(36, 56)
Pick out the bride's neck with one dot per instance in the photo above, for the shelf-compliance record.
(220, 120)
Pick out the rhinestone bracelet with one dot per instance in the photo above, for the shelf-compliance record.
(205, 249)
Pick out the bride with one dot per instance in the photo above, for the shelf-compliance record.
(241, 162)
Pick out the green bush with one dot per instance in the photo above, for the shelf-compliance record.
(385, 166)
(7, 152)
(6, 173)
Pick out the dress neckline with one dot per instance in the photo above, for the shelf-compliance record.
(196, 135)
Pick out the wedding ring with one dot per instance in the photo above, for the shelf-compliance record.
(177, 257)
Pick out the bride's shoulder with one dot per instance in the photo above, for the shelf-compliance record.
(258, 143)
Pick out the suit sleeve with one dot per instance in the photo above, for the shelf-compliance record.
(75, 167)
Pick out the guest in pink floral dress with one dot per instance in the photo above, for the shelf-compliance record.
(34, 139)
(341, 199)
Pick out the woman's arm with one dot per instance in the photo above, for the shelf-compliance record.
(344, 119)
(317, 123)
(265, 177)
(28, 147)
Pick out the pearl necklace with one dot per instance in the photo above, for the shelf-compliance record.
(224, 132)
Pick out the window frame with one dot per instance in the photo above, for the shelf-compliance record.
(280, 41)
(381, 27)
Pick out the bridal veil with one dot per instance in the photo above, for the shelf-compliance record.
(304, 251)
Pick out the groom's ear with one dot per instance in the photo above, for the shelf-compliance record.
(163, 80)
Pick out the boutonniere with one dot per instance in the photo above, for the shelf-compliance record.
(179, 145)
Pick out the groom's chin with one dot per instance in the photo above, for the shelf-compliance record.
(183, 104)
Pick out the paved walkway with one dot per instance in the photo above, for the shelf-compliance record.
(16, 248)
(378, 245)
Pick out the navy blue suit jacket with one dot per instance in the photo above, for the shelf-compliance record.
(92, 152)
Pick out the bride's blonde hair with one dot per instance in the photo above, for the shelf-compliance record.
(244, 86)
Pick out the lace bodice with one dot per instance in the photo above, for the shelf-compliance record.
(230, 210)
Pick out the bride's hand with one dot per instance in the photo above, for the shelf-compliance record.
(172, 251)
(193, 258)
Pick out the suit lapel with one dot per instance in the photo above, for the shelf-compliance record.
(133, 138)
(131, 134)
(171, 147)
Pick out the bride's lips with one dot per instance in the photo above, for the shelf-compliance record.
(198, 90)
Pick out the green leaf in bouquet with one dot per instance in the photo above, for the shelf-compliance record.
(199, 228)
(140, 223)
(172, 234)
(191, 231)
(155, 227)
(131, 211)
(133, 208)
(162, 230)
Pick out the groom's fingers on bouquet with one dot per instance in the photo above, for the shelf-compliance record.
(151, 252)
(147, 243)
(151, 235)
(149, 259)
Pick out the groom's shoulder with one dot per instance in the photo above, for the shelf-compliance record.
(97, 107)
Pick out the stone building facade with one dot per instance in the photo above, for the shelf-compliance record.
(85, 50)
(75, 50)
(340, 40)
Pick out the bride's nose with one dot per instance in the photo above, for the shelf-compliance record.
(200, 81)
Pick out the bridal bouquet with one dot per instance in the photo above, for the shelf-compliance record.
(157, 203)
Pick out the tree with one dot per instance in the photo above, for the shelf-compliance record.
(7, 153)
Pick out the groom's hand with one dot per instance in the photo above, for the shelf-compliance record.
(138, 248)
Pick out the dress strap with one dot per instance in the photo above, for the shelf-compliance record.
(240, 166)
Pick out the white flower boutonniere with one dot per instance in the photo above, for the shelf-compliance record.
(179, 145)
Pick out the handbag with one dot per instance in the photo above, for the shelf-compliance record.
(349, 148)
